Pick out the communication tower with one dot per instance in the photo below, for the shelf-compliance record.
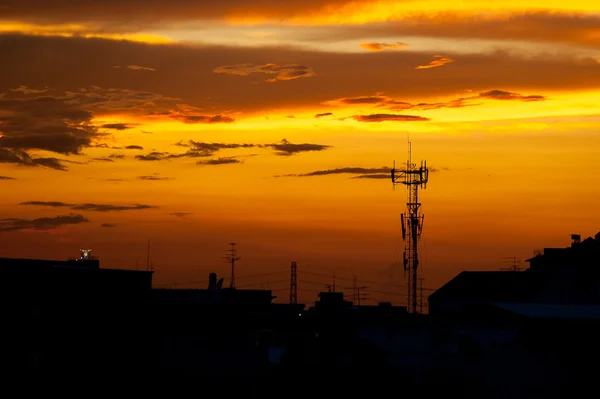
(414, 178)
(231, 257)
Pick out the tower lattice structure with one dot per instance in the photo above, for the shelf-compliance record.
(414, 178)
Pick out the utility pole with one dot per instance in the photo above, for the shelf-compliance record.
(356, 297)
(231, 257)
(293, 284)
(411, 221)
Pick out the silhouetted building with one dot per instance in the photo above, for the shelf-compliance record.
(568, 275)
(331, 301)
(72, 315)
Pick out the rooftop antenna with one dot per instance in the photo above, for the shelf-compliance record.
(231, 257)
(515, 263)
(294, 284)
(411, 220)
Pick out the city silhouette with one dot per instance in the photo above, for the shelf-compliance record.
(326, 198)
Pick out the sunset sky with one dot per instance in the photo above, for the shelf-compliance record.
(274, 124)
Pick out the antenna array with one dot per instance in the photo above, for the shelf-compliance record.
(414, 178)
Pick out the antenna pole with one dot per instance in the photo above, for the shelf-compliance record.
(294, 284)
(413, 178)
(231, 257)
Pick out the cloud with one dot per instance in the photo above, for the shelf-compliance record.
(439, 60)
(198, 149)
(388, 118)
(323, 114)
(530, 26)
(89, 206)
(24, 159)
(118, 126)
(383, 172)
(219, 161)
(108, 225)
(193, 119)
(154, 176)
(117, 156)
(505, 95)
(46, 223)
(103, 159)
(285, 148)
(61, 122)
(180, 214)
(374, 176)
(478, 72)
(381, 101)
(279, 72)
(7, 178)
(136, 68)
(383, 46)
(134, 147)
(51, 123)
(338, 171)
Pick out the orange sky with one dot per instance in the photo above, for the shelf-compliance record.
(192, 124)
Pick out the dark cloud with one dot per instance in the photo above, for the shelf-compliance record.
(361, 173)
(279, 72)
(61, 122)
(208, 119)
(180, 214)
(118, 126)
(374, 176)
(103, 159)
(338, 171)
(128, 15)
(438, 61)
(381, 101)
(153, 156)
(220, 161)
(47, 223)
(388, 118)
(24, 159)
(198, 149)
(285, 148)
(108, 225)
(7, 178)
(193, 82)
(505, 95)
(51, 123)
(154, 176)
(89, 206)
(323, 114)
(134, 147)
(117, 156)
(136, 68)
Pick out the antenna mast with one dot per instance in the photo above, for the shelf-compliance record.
(515, 264)
(293, 285)
(231, 257)
(411, 221)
